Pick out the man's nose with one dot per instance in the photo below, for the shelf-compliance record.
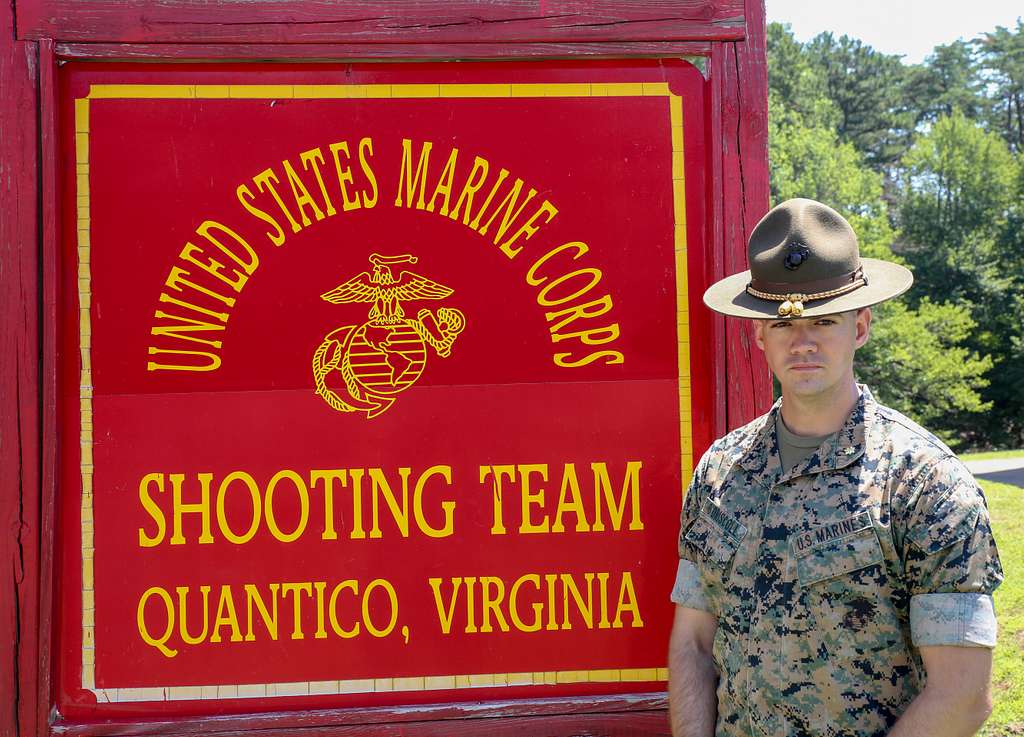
(803, 342)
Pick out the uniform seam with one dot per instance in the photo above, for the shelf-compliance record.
(887, 414)
(949, 492)
(922, 476)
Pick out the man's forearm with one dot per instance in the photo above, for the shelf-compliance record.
(956, 699)
(937, 714)
(693, 705)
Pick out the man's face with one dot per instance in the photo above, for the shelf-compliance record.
(812, 356)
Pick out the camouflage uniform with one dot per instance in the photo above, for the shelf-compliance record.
(826, 578)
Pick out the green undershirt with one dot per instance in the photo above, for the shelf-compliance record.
(793, 448)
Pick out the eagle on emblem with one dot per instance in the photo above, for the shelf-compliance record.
(384, 291)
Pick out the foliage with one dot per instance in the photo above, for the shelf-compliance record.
(926, 163)
(810, 161)
(961, 192)
(800, 95)
(1003, 54)
(913, 360)
(866, 86)
(949, 81)
(959, 182)
(916, 363)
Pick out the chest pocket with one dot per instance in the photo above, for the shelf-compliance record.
(835, 550)
(715, 535)
(845, 596)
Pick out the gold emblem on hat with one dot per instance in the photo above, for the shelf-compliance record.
(793, 305)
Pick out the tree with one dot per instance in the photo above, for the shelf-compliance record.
(1002, 54)
(797, 88)
(867, 88)
(918, 363)
(949, 81)
(914, 360)
(962, 196)
(810, 161)
(805, 155)
(958, 187)
(917, 158)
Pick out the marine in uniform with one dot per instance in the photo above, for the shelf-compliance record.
(836, 563)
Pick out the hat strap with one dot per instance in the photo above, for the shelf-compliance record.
(793, 302)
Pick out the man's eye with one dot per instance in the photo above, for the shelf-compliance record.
(781, 324)
(826, 321)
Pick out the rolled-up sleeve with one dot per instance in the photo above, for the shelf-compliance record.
(965, 620)
(951, 562)
(688, 591)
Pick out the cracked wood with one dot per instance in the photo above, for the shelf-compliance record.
(743, 78)
(390, 51)
(19, 395)
(361, 21)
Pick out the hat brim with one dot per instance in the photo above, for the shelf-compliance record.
(885, 281)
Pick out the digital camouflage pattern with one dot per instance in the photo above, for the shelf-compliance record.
(826, 578)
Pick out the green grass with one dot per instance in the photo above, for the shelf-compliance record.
(1006, 505)
(992, 454)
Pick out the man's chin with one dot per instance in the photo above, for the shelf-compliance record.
(804, 386)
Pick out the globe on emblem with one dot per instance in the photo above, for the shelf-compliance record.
(386, 359)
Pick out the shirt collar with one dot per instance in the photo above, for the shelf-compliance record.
(838, 451)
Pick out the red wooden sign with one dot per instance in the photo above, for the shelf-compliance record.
(357, 398)
(384, 381)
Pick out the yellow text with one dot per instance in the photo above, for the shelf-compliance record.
(168, 620)
(535, 601)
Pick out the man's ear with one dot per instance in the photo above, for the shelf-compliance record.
(863, 326)
(759, 333)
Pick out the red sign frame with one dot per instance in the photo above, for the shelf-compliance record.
(736, 194)
(638, 385)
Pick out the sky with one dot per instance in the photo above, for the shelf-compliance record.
(910, 28)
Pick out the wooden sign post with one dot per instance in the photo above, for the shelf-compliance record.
(368, 391)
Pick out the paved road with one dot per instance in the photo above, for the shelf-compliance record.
(1002, 470)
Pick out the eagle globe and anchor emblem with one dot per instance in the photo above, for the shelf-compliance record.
(386, 354)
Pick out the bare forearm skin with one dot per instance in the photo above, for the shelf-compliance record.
(957, 698)
(934, 714)
(693, 706)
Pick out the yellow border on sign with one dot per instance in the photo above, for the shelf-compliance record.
(371, 91)
(85, 389)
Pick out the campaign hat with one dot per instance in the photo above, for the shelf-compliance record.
(805, 262)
